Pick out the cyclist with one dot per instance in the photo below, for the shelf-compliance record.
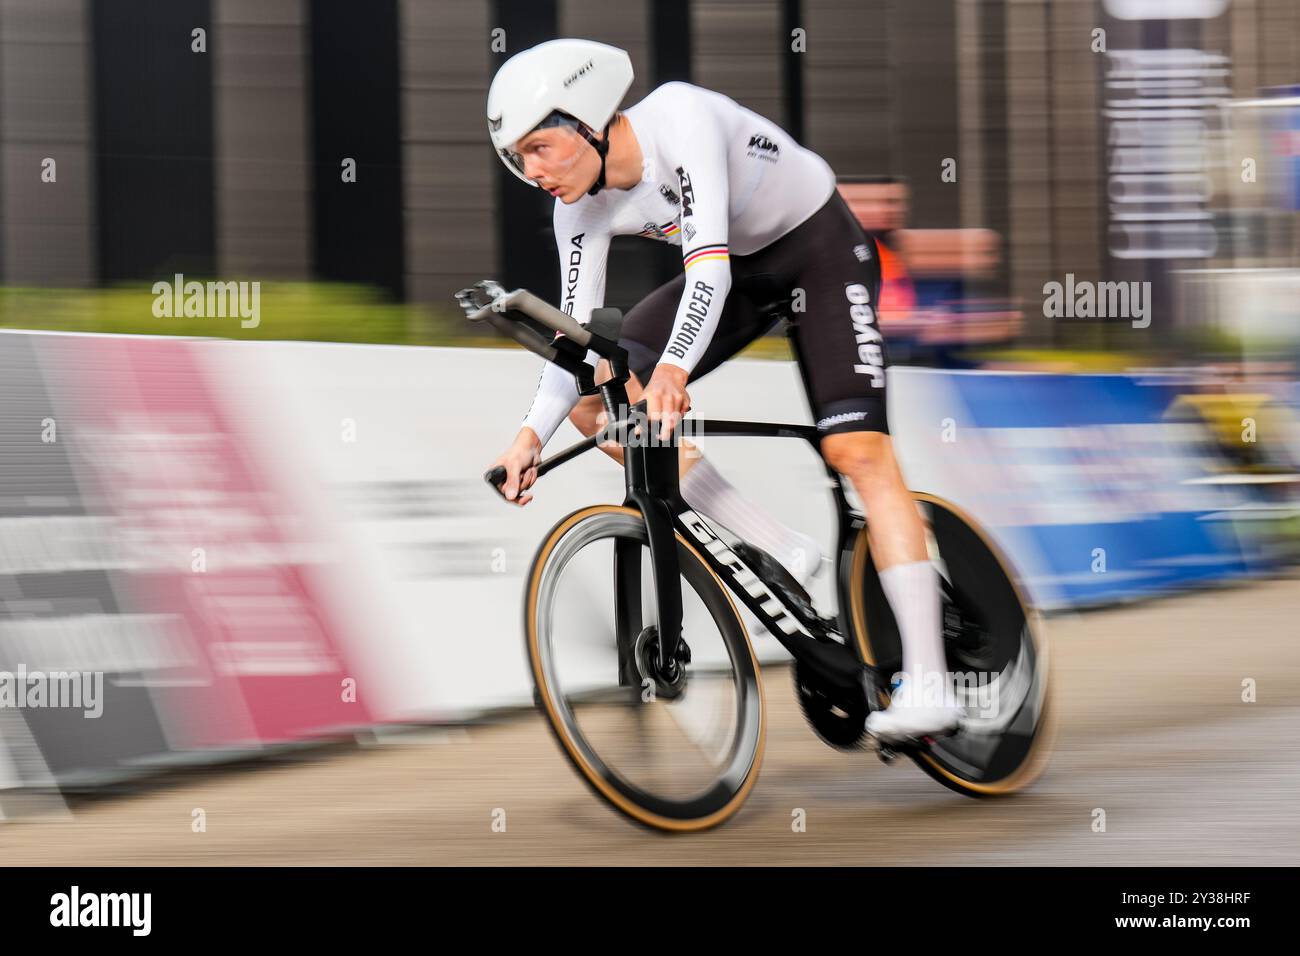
(756, 216)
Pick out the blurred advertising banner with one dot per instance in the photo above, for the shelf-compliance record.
(143, 549)
(1286, 142)
(1091, 488)
(255, 543)
(62, 604)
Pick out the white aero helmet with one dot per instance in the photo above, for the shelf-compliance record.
(581, 79)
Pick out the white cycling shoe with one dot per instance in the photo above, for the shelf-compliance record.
(906, 722)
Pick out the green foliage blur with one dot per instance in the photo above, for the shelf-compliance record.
(304, 311)
(313, 311)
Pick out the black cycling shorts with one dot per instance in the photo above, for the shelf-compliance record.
(830, 268)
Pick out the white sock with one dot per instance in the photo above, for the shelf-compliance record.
(913, 592)
(707, 491)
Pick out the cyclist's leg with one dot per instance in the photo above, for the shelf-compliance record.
(645, 334)
(650, 323)
(588, 416)
(703, 486)
(845, 361)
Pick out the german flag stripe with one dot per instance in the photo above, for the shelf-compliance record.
(705, 253)
(666, 231)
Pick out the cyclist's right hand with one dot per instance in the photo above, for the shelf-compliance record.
(520, 462)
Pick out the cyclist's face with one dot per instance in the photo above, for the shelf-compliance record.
(560, 161)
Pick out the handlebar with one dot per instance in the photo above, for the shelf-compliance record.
(519, 314)
(499, 301)
(496, 476)
(527, 319)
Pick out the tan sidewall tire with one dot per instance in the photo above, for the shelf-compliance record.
(589, 774)
(1036, 761)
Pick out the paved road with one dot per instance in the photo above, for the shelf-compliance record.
(1153, 731)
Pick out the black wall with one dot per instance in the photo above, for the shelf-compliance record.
(525, 238)
(356, 112)
(153, 139)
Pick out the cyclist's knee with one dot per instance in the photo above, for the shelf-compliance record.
(862, 456)
(585, 413)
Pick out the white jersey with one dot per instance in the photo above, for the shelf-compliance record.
(719, 180)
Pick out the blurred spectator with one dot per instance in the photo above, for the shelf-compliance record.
(880, 204)
(925, 309)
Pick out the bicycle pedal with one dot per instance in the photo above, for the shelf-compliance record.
(929, 739)
(923, 744)
(909, 745)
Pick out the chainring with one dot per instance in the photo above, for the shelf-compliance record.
(838, 718)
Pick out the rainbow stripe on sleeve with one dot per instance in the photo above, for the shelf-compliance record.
(706, 253)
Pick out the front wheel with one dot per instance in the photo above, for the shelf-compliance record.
(675, 751)
(998, 662)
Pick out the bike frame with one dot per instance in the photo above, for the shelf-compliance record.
(651, 473)
(653, 488)
(834, 658)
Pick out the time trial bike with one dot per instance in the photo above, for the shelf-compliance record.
(640, 658)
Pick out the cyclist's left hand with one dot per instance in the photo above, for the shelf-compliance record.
(666, 398)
